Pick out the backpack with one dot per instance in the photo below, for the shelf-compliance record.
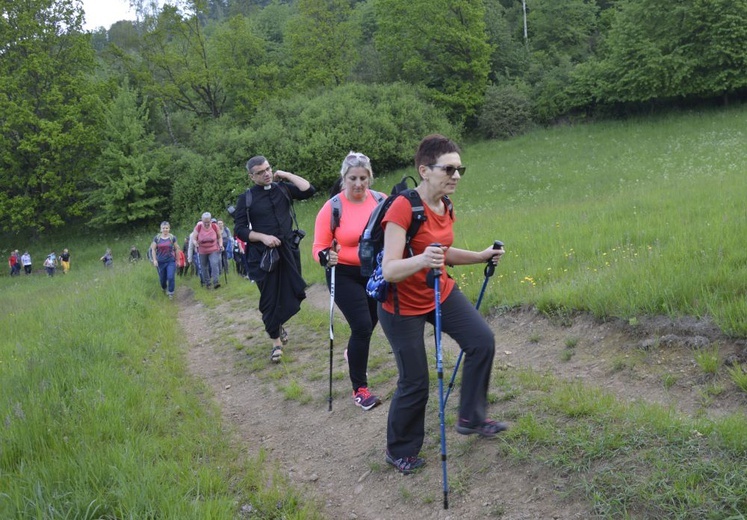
(371, 243)
(248, 197)
(213, 226)
(336, 214)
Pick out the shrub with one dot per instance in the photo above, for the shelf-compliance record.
(311, 134)
(505, 112)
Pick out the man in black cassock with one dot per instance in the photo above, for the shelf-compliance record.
(272, 254)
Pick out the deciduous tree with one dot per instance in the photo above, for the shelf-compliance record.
(441, 44)
(49, 112)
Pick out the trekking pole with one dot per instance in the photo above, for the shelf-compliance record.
(435, 276)
(489, 270)
(331, 324)
(224, 261)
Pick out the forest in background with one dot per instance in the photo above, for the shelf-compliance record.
(153, 119)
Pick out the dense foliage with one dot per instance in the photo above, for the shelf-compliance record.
(211, 82)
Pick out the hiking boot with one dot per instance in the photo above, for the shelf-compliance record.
(171, 296)
(216, 286)
(277, 353)
(488, 428)
(283, 335)
(405, 465)
(365, 399)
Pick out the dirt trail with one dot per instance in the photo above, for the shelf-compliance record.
(336, 458)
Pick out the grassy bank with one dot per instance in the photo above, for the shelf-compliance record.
(617, 219)
(101, 418)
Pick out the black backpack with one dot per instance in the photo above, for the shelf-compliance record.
(371, 243)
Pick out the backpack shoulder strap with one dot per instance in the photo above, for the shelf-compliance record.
(248, 198)
(377, 195)
(418, 213)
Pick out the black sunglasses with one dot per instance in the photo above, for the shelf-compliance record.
(449, 169)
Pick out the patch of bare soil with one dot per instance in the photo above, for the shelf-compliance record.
(336, 459)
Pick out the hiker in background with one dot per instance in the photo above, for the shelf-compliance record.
(164, 250)
(341, 221)
(227, 251)
(26, 262)
(210, 243)
(108, 259)
(50, 263)
(440, 167)
(266, 225)
(65, 261)
(193, 257)
(14, 262)
(239, 256)
(181, 261)
(134, 254)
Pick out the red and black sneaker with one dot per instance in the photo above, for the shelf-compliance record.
(365, 399)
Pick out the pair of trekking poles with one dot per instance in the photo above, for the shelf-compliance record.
(433, 280)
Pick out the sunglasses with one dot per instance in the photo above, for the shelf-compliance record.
(449, 169)
(355, 157)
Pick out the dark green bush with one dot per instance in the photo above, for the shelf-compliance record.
(311, 134)
(506, 112)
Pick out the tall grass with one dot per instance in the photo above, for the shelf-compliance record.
(100, 418)
(618, 219)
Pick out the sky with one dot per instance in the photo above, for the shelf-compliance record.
(103, 13)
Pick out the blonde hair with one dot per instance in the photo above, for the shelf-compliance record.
(356, 160)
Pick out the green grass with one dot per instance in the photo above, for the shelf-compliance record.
(629, 460)
(619, 219)
(101, 418)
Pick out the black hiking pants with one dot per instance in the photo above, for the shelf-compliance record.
(461, 321)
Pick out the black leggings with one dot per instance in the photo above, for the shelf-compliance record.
(360, 312)
(460, 320)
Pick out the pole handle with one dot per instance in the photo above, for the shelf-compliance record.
(490, 266)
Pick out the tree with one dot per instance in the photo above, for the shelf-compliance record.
(247, 73)
(128, 186)
(672, 49)
(322, 43)
(49, 113)
(441, 44)
(184, 71)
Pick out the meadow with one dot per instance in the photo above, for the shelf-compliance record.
(102, 419)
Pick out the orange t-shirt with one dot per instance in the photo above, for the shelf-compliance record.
(353, 219)
(415, 297)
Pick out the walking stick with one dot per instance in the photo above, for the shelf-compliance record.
(331, 324)
(435, 275)
(489, 270)
(224, 261)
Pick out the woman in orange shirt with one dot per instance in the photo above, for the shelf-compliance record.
(411, 304)
(355, 203)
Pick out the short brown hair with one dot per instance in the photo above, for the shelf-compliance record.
(432, 147)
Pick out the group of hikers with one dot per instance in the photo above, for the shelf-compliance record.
(417, 230)
(16, 261)
(207, 251)
(411, 263)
